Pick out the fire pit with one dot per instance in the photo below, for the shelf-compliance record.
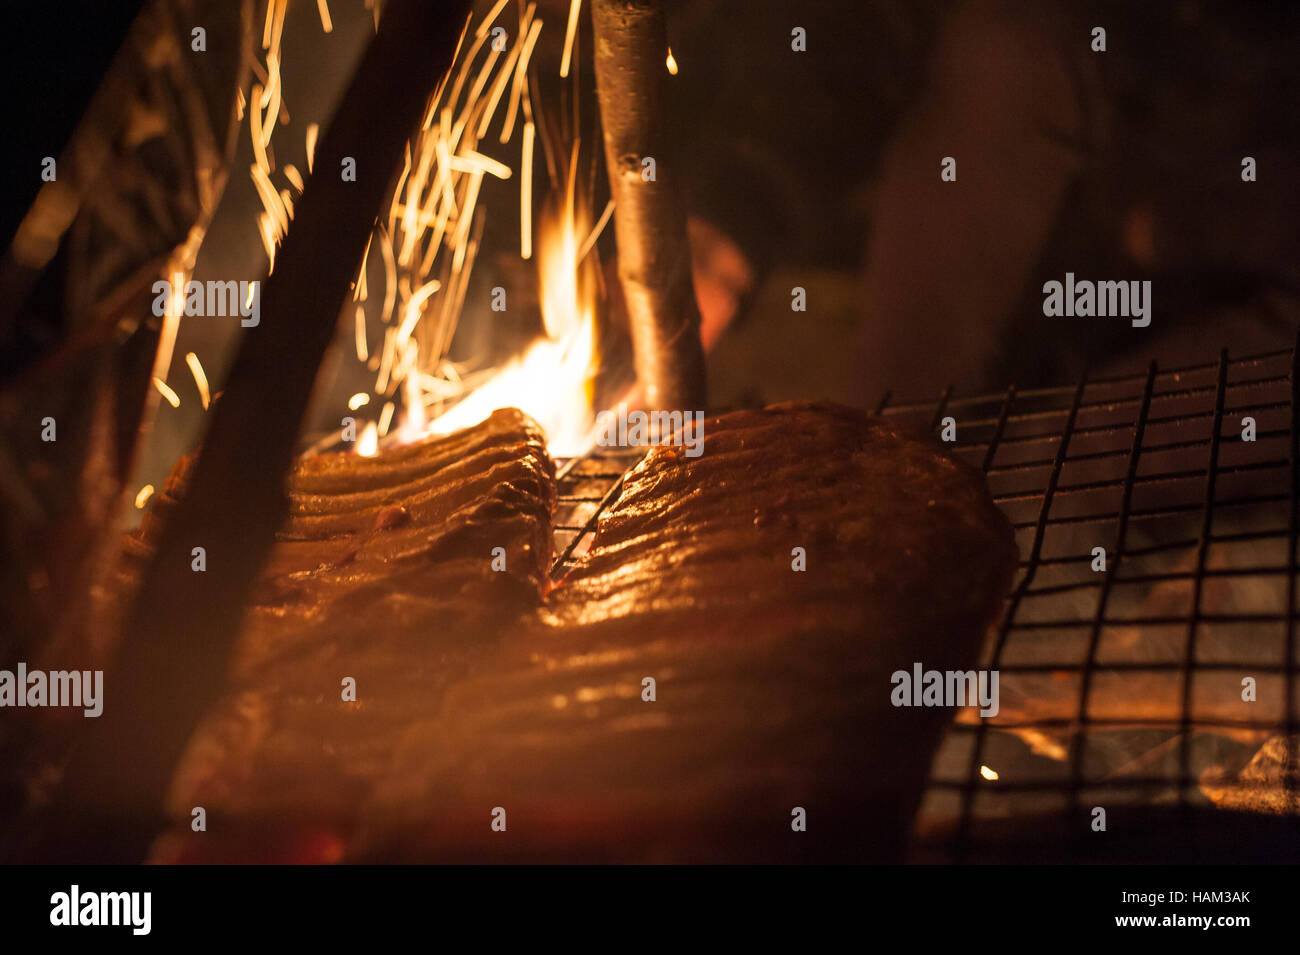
(1144, 666)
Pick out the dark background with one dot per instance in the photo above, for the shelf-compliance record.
(52, 57)
(788, 155)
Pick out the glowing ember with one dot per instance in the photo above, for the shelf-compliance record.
(988, 774)
(368, 443)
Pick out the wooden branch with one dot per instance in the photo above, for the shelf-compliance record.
(73, 283)
(654, 260)
(176, 644)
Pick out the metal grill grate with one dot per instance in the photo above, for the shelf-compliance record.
(1121, 687)
(587, 485)
(1125, 685)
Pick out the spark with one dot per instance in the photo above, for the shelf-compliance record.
(472, 102)
(466, 219)
(471, 161)
(491, 18)
(368, 443)
(385, 362)
(413, 404)
(401, 181)
(270, 102)
(569, 34)
(552, 379)
(405, 364)
(988, 773)
(386, 417)
(442, 149)
(498, 87)
(171, 320)
(360, 290)
(267, 232)
(323, 6)
(281, 7)
(363, 353)
(436, 212)
(143, 495)
(266, 108)
(671, 62)
(313, 130)
(255, 126)
(359, 400)
(173, 399)
(596, 231)
(200, 379)
(526, 194)
(463, 73)
(270, 22)
(390, 276)
(412, 313)
(521, 74)
(270, 200)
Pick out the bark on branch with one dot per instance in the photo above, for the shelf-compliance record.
(654, 261)
(176, 644)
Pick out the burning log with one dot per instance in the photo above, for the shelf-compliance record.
(177, 639)
(654, 262)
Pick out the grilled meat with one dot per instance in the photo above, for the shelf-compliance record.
(771, 684)
(382, 574)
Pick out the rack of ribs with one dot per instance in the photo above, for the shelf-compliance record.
(711, 682)
(382, 575)
(771, 688)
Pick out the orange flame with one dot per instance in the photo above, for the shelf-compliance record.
(553, 380)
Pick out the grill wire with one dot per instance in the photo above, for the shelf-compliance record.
(586, 486)
(1121, 687)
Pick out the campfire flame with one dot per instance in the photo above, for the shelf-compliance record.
(552, 381)
(432, 235)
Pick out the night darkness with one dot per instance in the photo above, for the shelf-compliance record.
(651, 433)
(50, 83)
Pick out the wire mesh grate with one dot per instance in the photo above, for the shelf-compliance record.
(1156, 519)
(586, 486)
(1121, 682)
